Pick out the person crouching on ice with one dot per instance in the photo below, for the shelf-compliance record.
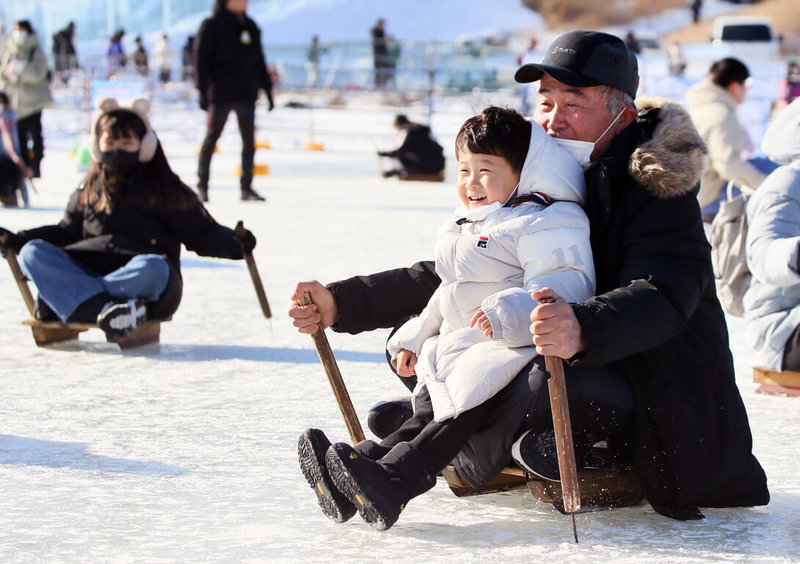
(114, 259)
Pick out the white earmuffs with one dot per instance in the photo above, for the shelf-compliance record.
(148, 143)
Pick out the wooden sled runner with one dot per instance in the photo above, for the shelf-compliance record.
(599, 489)
(776, 383)
(48, 332)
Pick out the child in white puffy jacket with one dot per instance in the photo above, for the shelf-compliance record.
(520, 227)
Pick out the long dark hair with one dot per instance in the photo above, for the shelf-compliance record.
(152, 184)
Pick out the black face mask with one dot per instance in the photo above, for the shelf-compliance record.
(119, 161)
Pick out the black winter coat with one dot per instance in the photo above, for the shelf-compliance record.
(420, 153)
(105, 241)
(229, 60)
(656, 319)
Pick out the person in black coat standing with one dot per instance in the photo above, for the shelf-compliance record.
(382, 61)
(230, 70)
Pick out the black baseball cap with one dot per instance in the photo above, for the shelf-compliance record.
(587, 58)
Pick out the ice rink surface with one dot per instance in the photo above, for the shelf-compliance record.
(186, 451)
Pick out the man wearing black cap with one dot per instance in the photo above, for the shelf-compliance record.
(649, 374)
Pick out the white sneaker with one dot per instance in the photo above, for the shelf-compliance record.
(122, 318)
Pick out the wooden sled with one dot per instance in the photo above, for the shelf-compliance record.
(600, 489)
(48, 332)
(438, 177)
(510, 477)
(776, 383)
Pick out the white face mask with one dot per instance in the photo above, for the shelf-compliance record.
(582, 150)
(482, 212)
(20, 36)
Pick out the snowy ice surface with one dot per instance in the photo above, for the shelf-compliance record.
(186, 451)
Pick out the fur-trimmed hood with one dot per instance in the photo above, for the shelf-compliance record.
(672, 161)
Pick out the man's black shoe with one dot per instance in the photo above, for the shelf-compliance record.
(536, 453)
(120, 319)
(375, 492)
(386, 417)
(248, 194)
(311, 449)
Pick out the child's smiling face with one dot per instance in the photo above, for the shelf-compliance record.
(484, 179)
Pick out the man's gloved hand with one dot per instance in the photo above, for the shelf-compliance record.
(245, 243)
(270, 103)
(383, 154)
(203, 101)
(9, 240)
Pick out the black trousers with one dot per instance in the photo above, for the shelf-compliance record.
(30, 128)
(216, 116)
(601, 408)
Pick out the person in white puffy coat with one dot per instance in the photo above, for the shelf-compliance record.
(772, 302)
(520, 227)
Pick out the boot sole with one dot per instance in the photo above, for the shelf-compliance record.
(311, 452)
(359, 497)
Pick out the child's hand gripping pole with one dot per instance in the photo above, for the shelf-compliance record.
(251, 266)
(335, 378)
(557, 387)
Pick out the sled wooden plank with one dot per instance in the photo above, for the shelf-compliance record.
(147, 334)
(777, 381)
(48, 332)
(600, 489)
(438, 177)
(775, 390)
(56, 334)
(508, 478)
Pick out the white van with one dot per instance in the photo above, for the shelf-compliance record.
(750, 37)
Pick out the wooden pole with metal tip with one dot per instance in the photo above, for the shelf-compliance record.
(557, 387)
(335, 378)
(251, 266)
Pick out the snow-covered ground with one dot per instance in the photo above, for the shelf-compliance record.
(186, 451)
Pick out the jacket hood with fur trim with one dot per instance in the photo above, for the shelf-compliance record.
(671, 162)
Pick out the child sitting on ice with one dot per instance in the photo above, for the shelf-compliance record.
(521, 227)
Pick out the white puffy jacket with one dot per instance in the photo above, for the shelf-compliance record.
(492, 263)
(772, 303)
